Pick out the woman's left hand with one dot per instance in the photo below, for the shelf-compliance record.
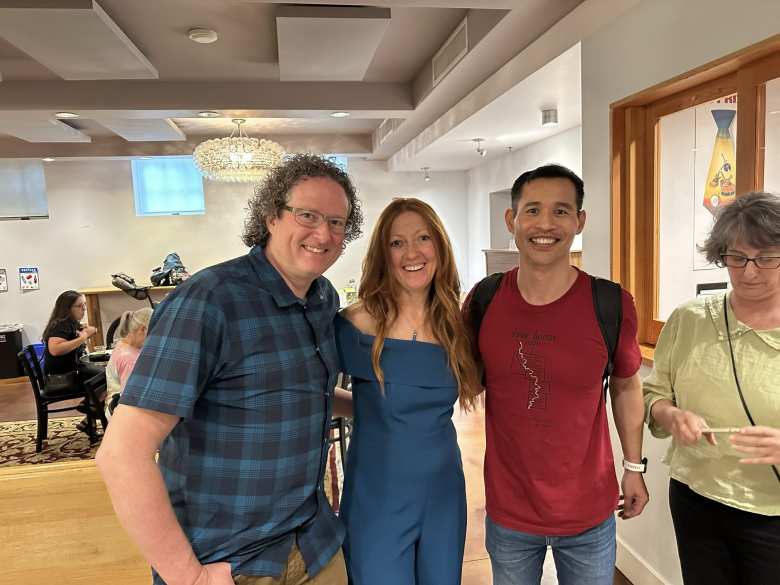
(761, 444)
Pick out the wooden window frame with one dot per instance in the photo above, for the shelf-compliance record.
(635, 170)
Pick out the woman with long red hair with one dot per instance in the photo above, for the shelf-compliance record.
(406, 348)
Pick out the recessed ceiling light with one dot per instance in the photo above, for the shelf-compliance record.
(48, 159)
(66, 115)
(203, 36)
(340, 115)
(209, 114)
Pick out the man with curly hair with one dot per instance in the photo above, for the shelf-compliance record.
(235, 388)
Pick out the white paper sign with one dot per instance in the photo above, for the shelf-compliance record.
(28, 278)
(3, 280)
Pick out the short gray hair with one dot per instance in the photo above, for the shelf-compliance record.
(272, 194)
(753, 219)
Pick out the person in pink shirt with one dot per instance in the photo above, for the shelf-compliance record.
(132, 333)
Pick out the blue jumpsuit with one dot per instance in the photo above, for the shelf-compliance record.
(404, 501)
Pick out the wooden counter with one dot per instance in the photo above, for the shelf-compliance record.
(58, 527)
(93, 308)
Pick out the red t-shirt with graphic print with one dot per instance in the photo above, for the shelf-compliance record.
(549, 466)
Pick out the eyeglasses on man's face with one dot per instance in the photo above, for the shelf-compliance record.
(310, 218)
(740, 261)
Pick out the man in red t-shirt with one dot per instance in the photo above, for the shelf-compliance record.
(549, 471)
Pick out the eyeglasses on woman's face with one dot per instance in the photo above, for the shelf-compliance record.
(740, 261)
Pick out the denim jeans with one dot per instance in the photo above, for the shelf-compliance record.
(587, 558)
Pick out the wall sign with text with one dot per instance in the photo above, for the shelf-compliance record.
(28, 278)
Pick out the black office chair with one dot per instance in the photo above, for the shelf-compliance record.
(111, 332)
(45, 396)
(342, 425)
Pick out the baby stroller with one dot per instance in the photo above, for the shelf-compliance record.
(127, 284)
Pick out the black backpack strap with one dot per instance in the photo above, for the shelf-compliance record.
(483, 293)
(608, 304)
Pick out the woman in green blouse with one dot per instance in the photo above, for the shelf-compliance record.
(715, 388)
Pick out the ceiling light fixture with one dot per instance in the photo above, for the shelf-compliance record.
(204, 36)
(237, 158)
(48, 159)
(549, 117)
(209, 114)
(426, 174)
(480, 151)
(66, 115)
(340, 115)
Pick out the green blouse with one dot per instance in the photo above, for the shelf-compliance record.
(693, 369)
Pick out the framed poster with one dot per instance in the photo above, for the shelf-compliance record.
(28, 278)
(3, 280)
(714, 167)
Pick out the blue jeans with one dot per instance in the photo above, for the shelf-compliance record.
(587, 558)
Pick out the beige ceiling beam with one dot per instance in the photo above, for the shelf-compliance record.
(163, 95)
(114, 146)
(500, 4)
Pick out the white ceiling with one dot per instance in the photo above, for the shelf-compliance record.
(242, 75)
(513, 119)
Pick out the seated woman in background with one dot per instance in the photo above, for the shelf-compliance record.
(64, 338)
(405, 345)
(132, 333)
(715, 388)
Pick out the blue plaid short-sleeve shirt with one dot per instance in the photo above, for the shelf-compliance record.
(250, 369)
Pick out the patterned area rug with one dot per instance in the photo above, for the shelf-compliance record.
(64, 443)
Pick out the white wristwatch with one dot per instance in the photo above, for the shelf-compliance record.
(640, 467)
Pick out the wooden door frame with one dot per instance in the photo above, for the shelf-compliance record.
(634, 129)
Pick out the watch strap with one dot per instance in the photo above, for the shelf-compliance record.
(640, 467)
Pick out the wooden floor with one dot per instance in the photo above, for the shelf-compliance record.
(16, 403)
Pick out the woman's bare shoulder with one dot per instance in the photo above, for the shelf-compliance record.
(359, 317)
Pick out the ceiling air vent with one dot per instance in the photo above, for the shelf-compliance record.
(386, 128)
(452, 51)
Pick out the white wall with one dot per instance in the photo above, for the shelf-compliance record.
(446, 193)
(496, 175)
(93, 231)
(651, 43)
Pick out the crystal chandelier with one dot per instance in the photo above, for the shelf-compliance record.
(238, 158)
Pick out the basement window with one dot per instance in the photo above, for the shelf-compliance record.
(167, 186)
